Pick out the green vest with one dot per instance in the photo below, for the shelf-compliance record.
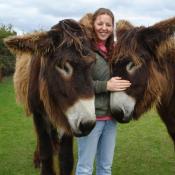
(100, 75)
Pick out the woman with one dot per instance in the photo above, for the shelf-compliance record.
(100, 143)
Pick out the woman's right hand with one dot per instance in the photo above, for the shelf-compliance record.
(117, 84)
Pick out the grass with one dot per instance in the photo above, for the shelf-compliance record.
(143, 147)
(17, 140)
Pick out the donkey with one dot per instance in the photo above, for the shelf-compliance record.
(52, 81)
(146, 57)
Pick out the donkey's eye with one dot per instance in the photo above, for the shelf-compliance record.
(131, 67)
(66, 70)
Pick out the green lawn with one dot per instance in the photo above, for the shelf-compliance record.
(143, 147)
(17, 137)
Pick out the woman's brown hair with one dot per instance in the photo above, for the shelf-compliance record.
(110, 40)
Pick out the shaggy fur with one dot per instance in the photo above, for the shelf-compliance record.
(151, 51)
(86, 22)
(21, 82)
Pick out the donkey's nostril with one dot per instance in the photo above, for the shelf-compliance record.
(86, 128)
(120, 117)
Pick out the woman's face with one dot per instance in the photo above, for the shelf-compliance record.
(103, 27)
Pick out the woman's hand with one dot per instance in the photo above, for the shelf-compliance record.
(117, 84)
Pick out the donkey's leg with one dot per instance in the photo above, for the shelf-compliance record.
(55, 144)
(36, 156)
(167, 114)
(66, 159)
(45, 145)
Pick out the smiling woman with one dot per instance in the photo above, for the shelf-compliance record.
(100, 143)
(103, 26)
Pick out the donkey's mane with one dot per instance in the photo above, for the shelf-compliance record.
(73, 34)
(66, 33)
(130, 39)
(126, 46)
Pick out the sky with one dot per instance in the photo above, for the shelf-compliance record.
(30, 15)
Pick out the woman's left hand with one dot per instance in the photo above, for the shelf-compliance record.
(117, 84)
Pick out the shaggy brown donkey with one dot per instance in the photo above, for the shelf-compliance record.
(52, 80)
(146, 57)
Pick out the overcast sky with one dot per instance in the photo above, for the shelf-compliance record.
(30, 15)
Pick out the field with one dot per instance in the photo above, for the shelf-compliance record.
(143, 147)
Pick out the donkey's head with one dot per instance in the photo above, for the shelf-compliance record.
(140, 56)
(60, 75)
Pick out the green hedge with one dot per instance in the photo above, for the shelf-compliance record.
(7, 60)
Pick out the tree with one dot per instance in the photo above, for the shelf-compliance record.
(7, 60)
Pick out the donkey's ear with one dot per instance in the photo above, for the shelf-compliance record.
(122, 26)
(167, 26)
(40, 43)
(87, 23)
(154, 35)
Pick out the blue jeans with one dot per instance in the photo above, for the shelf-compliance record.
(100, 143)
